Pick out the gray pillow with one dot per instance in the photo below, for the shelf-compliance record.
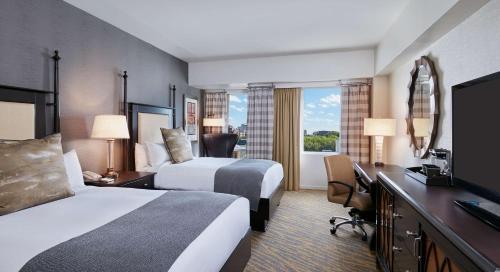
(32, 172)
(177, 144)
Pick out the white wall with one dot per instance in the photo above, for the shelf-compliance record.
(469, 51)
(293, 68)
(420, 24)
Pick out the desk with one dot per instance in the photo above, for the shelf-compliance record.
(419, 228)
(369, 171)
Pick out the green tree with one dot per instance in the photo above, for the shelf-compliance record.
(321, 143)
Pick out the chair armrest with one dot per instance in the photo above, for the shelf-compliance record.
(351, 190)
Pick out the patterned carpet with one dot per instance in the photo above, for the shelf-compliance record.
(298, 239)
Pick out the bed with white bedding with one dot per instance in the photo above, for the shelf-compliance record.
(146, 152)
(29, 232)
(198, 175)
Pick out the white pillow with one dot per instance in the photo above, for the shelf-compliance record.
(141, 159)
(157, 154)
(73, 169)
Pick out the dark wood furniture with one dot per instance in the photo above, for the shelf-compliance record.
(267, 208)
(368, 173)
(419, 228)
(129, 179)
(47, 119)
(134, 109)
(240, 256)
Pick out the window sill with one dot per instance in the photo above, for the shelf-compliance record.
(319, 153)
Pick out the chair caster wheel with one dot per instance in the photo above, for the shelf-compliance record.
(333, 230)
(332, 221)
(364, 238)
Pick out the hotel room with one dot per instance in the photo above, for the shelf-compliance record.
(320, 135)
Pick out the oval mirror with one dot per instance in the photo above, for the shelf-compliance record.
(423, 107)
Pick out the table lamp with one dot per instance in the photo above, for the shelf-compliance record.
(379, 128)
(110, 127)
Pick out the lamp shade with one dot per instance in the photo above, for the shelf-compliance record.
(213, 122)
(379, 127)
(421, 126)
(110, 127)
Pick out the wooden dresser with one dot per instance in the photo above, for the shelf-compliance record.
(419, 228)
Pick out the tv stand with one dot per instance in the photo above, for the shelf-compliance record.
(474, 208)
(420, 228)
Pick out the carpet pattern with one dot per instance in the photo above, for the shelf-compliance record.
(298, 239)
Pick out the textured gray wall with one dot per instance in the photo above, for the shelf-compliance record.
(93, 54)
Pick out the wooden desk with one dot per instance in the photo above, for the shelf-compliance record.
(369, 171)
(419, 228)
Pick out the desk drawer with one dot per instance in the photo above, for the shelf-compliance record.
(406, 230)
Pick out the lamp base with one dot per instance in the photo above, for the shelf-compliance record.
(379, 164)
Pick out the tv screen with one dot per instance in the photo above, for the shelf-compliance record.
(476, 135)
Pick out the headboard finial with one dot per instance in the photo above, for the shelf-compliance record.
(56, 58)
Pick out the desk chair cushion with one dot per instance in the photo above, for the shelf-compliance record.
(359, 200)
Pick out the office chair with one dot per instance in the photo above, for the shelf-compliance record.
(220, 145)
(342, 189)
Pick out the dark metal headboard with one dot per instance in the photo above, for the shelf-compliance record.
(40, 99)
(131, 111)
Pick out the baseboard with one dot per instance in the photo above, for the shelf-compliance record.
(313, 187)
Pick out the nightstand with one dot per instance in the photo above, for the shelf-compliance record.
(129, 179)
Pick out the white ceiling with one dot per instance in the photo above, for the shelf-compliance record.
(195, 30)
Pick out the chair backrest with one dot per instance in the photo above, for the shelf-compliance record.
(339, 168)
(219, 145)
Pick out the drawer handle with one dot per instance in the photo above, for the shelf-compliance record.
(397, 215)
(397, 249)
(412, 234)
(416, 242)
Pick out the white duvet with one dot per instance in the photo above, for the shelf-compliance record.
(198, 175)
(26, 233)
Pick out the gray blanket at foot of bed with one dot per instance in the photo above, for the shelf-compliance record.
(243, 177)
(149, 238)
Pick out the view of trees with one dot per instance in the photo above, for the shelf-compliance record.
(321, 141)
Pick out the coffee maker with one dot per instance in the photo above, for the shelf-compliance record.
(442, 157)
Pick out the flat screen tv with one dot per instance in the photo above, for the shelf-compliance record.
(476, 136)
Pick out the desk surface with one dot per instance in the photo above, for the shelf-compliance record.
(370, 171)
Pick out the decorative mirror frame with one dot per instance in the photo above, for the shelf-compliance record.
(435, 94)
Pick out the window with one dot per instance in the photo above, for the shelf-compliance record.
(238, 109)
(321, 119)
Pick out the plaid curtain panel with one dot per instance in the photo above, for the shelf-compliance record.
(355, 108)
(260, 123)
(216, 106)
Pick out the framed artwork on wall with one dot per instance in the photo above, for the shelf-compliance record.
(191, 117)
